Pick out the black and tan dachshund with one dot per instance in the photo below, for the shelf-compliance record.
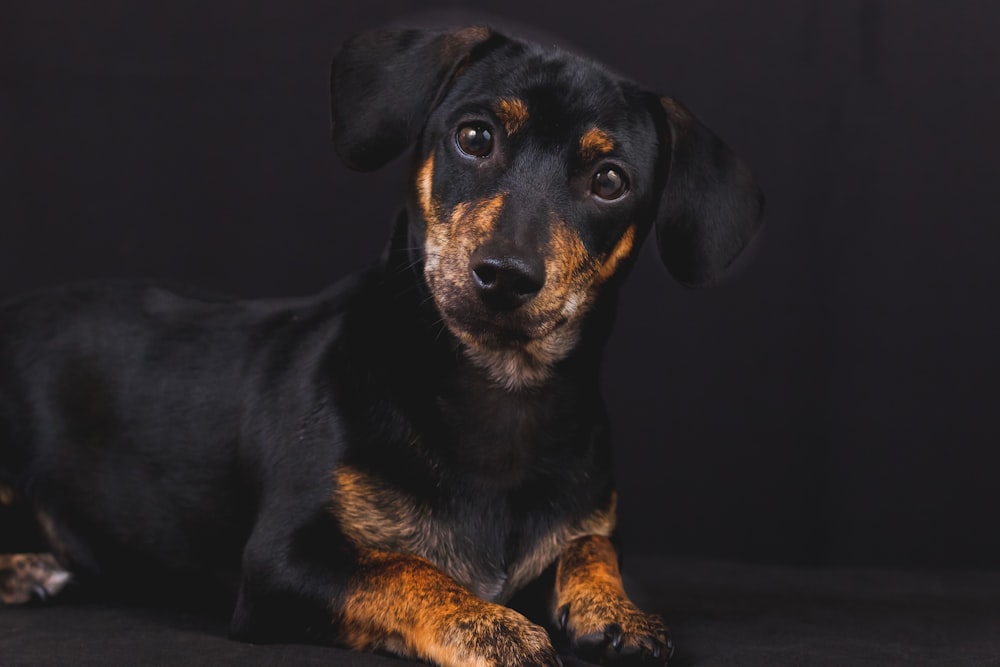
(384, 465)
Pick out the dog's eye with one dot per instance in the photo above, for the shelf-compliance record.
(475, 140)
(609, 183)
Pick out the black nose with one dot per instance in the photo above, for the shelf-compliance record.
(504, 283)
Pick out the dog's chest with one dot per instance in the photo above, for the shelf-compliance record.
(488, 485)
(483, 543)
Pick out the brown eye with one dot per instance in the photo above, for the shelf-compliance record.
(609, 183)
(475, 140)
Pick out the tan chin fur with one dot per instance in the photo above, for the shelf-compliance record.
(523, 366)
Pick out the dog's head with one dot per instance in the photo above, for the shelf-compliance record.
(538, 174)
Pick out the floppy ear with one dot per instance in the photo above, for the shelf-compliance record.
(710, 207)
(384, 83)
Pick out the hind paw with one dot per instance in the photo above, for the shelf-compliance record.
(27, 577)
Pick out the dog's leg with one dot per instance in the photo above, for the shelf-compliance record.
(405, 605)
(591, 606)
(27, 576)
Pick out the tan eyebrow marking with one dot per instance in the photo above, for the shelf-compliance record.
(594, 143)
(512, 112)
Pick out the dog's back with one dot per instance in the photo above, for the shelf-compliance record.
(123, 409)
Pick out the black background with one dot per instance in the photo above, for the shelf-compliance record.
(835, 402)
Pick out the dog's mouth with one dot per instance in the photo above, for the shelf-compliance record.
(500, 331)
(516, 352)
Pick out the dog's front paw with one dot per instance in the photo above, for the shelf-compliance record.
(615, 630)
(505, 638)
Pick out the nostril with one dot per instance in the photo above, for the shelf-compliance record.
(486, 275)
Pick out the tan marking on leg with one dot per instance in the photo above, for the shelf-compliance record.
(595, 143)
(550, 547)
(588, 565)
(590, 594)
(7, 495)
(406, 605)
(512, 112)
(374, 515)
(377, 516)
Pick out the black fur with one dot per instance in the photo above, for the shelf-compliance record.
(160, 430)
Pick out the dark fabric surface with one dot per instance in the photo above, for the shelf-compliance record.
(721, 615)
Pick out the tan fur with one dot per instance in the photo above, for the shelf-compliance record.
(551, 547)
(6, 495)
(403, 604)
(449, 244)
(520, 367)
(594, 143)
(572, 280)
(530, 364)
(451, 240)
(512, 112)
(425, 191)
(621, 250)
(374, 515)
(23, 574)
(589, 585)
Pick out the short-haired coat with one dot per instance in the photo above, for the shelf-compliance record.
(385, 464)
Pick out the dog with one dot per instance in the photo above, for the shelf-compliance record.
(384, 465)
